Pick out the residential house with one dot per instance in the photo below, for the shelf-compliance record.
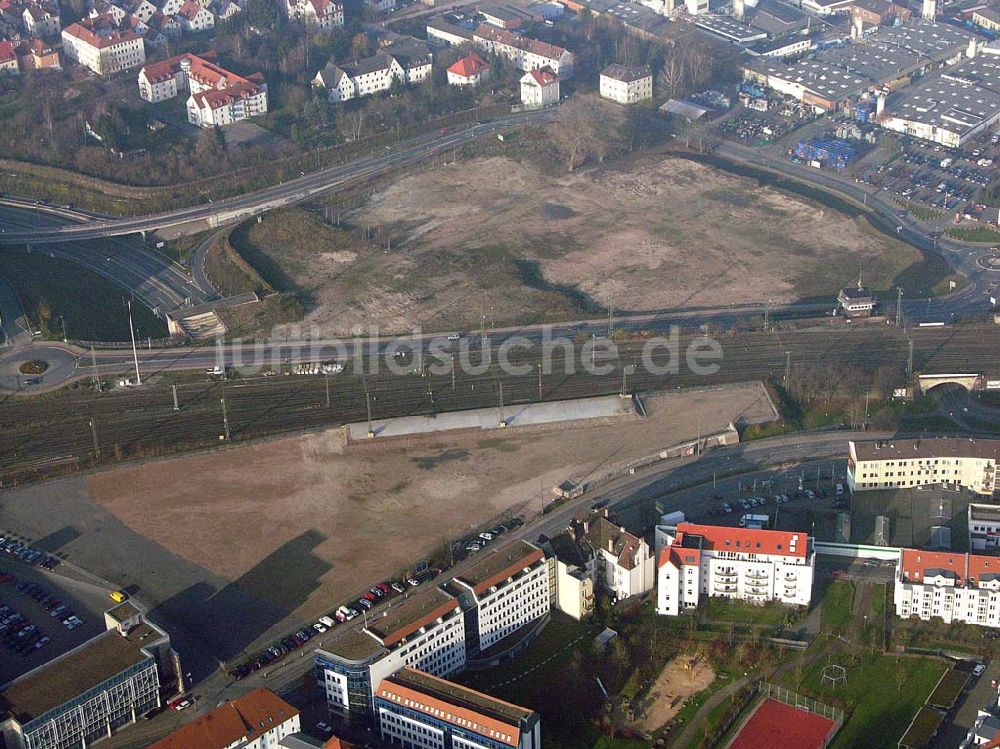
(97, 44)
(951, 586)
(572, 566)
(323, 14)
(194, 18)
(526, 54)
(41, 21)
(168, 26)
(34, 54)
(625, 565)
(539, 88)
(258, 720)
(142, 9)
(627, 84)
(8, 58)
(107, 13)
(171, 7)
(757, 566)
(225, 10)
(372, 75)
(470, 70)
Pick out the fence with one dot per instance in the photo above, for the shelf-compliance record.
(787, 696)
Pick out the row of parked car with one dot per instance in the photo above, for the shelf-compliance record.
(472, 544)
(14, 548)
(17, 632)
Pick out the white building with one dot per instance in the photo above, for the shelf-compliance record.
(904, 463)
(508, 589)
(572, 565)
(625, 565)
(372, 75)
(95, 44)
(237, 101)
(539, 88)
(949, 586)
(425, 631)
(188, 72)
(445, 34)
(470, 70)
(194, 18)
(984, 527)
(526, 54)
(419, 711)
(627, 84)
(258, 720)
(756, 566)
(699, 7)
(40, 20)
(91, 691)
(323, 14)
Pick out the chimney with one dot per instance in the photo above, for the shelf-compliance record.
(738, 9)
(856, 28)
(611, 545)
(929, 10)
(972, 49)
(879, 104)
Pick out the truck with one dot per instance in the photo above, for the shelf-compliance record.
(757, 522)
(947, 162)
(673, 518)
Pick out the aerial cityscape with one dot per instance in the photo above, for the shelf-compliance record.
(499, 374)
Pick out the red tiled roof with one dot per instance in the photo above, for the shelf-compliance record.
(246, 716)
(469, 66)
(544, 76)
(7, 52)
(89, 31)
(502, 36)
(190, 10)
(505, 733)
(916, 564)
(746, 540)
(218, 99)
(679, 557)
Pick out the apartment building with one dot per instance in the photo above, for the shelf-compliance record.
(950, 586)
(984, 527)
(322, 14)
(238, 101)
(757, 566)
(258, 720)
(42, 21)
(903, 463)
(626, 566)
(572, 569)
(443, 33)
(372, 75)
(190, 73)
(425, 631)
(92, 691)
(627, 84)
(505, 594)
(98, 44)
(419, 711)
(526, 54)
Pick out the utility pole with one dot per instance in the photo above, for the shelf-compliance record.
(326, 378)
(611, 319)
(225, 418)
(453, 373)
(909, 360)
(97, 377)
(788, 368)
(97, 446)
(176, 406)
(767, 316)
(135, 353)
(539, 381)
(503, 421)
(368, 406)
(899, 306)
(63, 321)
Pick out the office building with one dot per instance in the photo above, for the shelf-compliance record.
(258, 720)
(901, 463)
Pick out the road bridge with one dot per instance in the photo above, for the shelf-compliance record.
(970, 381)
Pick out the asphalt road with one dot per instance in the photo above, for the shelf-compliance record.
(293, 191)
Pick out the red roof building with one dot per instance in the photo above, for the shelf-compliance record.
(248, 718)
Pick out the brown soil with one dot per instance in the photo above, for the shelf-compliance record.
(681, 678)
(378, 512)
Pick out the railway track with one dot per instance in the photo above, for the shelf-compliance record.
(45, 435)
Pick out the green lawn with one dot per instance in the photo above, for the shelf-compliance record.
(979, 234)
(836, 611)
(90, 304)
(723, 610)
(881, 696)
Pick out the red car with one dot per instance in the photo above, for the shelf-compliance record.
(384, 587)
(369, 596)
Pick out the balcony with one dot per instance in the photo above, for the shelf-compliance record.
(757, 576)
(724, 588)
(726, 574)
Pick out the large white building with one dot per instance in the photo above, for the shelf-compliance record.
(950, 586)
(490, 611)
(97, 44)
(905, 463)
(756, 566)
(416, 710)
(627, 84)
(258, 720)
(526, 54)
(92, 691)
(539, 88)
(372, 75)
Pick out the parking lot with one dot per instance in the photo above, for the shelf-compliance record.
(936, 177)
(34, 604)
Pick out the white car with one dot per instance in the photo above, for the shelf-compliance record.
(319, 628)
(979, 670)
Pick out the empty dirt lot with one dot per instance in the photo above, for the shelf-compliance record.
(502, 236)
(237, 545)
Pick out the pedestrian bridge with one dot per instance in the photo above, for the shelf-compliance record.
(970, 381)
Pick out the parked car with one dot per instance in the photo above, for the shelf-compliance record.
(979, 670)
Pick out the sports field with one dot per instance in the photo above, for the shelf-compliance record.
(775, 725)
